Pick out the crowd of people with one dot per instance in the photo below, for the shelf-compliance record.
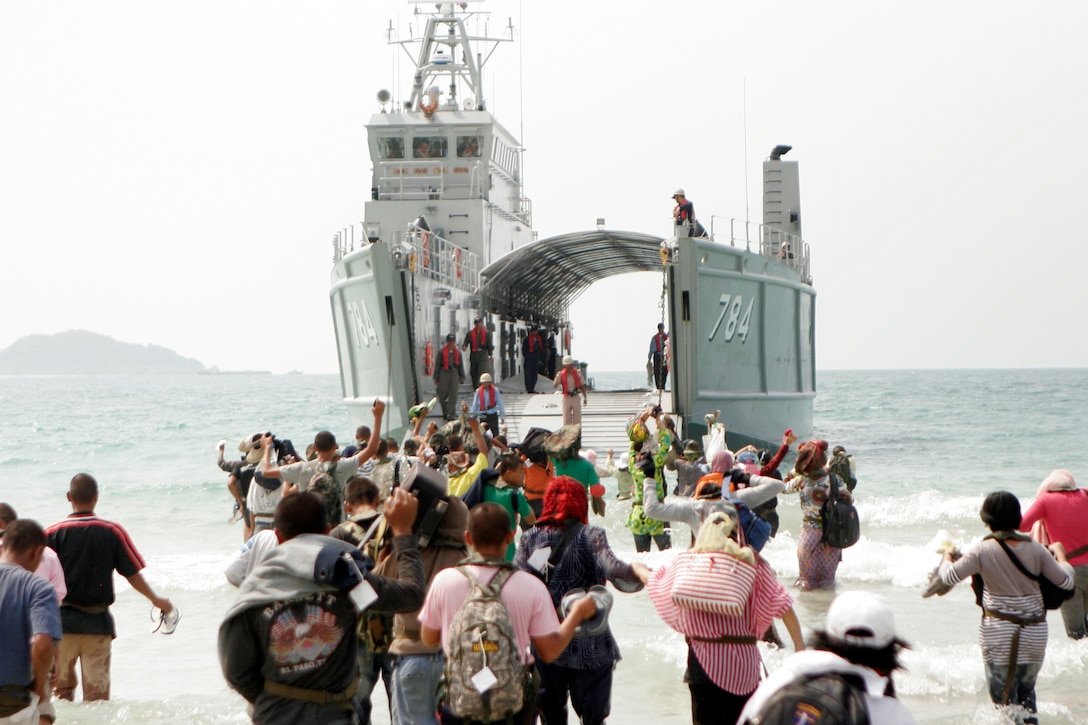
(402, 562)
(560, 563)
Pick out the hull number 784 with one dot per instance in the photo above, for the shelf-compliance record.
(736, 324)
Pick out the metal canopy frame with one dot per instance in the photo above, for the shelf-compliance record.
(537, 282)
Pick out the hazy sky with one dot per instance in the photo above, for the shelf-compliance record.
(173, 173)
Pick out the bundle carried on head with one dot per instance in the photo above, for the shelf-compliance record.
(564, 443)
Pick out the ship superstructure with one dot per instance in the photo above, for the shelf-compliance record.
(445, 200)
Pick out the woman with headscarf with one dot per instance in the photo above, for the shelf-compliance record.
(1013, 631)
(723, 665)
(1062, 510)
(817, 562)
(567, 553)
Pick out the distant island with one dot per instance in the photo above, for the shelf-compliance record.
(79, 352)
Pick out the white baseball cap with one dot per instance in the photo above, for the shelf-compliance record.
(485, 378)
(861, 619)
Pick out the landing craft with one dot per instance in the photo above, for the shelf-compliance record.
(447, 236)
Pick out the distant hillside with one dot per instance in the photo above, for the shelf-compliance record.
(78, 352)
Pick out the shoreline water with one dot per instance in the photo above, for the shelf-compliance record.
(929, 445)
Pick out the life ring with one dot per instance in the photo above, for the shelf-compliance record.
(457, 261)
(566, 338)
(429, 107)
(426, 249)
(428, 357)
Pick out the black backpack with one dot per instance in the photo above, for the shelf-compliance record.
(829, 699)
(839, 519)
(532, 445)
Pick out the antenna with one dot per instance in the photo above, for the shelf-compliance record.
(744, 96)
(521, 92)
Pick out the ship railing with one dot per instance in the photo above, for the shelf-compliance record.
(525, 211)
(426, 253)
(429, 179)
(771, 242)
(418, 251)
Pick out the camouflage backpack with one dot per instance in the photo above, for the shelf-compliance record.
(325, 487)
(481, 637)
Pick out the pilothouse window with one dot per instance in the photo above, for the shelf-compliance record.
(429, 147)
(468, 146)
(390, 148)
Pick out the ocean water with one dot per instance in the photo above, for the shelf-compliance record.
(929, 445)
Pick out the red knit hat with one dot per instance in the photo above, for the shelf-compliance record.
(565, 498)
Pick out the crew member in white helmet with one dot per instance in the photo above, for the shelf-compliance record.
(573, 386)
(487, 402)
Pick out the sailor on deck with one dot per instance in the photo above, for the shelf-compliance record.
(532, 350)
(684, 216)
(480, 349)
(657, 355)
(487, 402)
(573, 385)
(449, 373)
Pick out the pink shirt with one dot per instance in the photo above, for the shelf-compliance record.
(1065, 514)
(530, 605)
(51, 570)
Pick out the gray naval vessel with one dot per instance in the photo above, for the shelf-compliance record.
(447, 237)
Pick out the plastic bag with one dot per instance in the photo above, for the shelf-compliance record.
(714, 441)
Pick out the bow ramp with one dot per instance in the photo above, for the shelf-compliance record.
(604, 419)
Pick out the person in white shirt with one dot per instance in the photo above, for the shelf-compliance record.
(860, 641)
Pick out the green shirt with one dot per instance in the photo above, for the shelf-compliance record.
(580, 469)
(503, 497)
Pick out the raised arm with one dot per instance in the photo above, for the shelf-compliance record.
(405, 592)
(478, 436)
(267, 468)
(761, 489)
(674, 509)
(372, 445)
(788, 439)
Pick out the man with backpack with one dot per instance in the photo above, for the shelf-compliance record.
(303, 474)
(471, 603)
(361, 500)
(846, 677)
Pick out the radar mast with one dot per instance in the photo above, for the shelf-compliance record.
(446, 52)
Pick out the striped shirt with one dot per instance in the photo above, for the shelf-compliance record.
(732, 667)
(1008, 591)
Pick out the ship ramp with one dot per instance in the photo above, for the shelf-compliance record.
(604, 419)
